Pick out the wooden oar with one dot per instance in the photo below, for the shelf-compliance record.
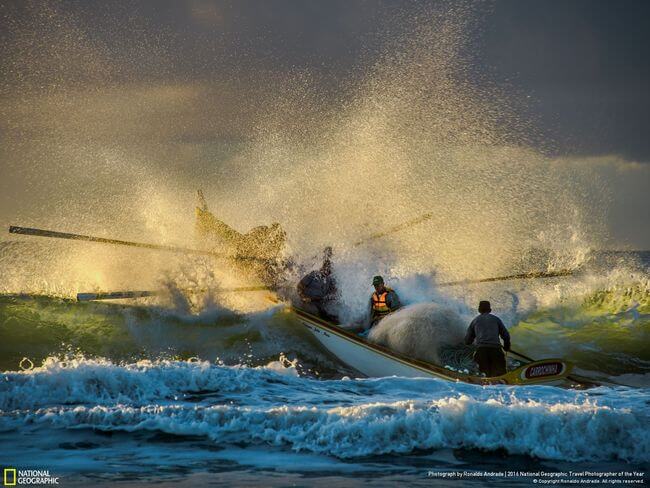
(393, 230)
(522, 356)
(114, 295)
(79, 237)
(102, 240)
(117, 295)
(523, 276)
(427, 216)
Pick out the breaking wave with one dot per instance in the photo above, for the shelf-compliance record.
(600, 324)
(345, 418)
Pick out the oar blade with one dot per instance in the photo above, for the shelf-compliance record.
(121, 295)
(524, 276)
(115, 295)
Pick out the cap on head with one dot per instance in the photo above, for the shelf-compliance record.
(484, 307)
(377, 280)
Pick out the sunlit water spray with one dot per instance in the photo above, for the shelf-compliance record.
(114, 145)
(412, 132)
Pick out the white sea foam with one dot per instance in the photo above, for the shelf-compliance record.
(566, 431)
(346, 419)
(93, 381)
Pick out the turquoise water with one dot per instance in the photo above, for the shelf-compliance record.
(144, 393)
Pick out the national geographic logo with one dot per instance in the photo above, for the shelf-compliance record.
(21, 477)
(9, 478)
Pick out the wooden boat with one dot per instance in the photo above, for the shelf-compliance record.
(373, 360)
(365, 357)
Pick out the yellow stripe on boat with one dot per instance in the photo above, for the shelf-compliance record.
(373, 360)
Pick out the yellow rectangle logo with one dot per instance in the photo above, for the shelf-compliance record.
(8, 472)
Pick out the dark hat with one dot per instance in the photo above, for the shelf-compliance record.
(484, 307)
(377, 280)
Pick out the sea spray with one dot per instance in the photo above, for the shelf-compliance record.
(420, 331)
(407, 129)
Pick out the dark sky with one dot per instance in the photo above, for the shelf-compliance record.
(177, 90)
(586, 62)
(582, 66)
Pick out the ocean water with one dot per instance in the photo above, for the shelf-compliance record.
(141, 393)
(198, 389)
(176, 420)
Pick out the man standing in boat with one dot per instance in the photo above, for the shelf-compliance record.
(486, 329)
(259, 250)
(382, 302)
(317, 290)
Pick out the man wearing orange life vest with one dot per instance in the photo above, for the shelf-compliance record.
(383, 301)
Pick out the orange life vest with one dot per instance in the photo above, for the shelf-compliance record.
(379, 305)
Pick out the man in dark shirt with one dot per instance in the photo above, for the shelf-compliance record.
(317, 289)
(258, 251)
(486, 330)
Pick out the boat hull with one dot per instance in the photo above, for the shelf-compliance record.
(366, 360)
(373, 360)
